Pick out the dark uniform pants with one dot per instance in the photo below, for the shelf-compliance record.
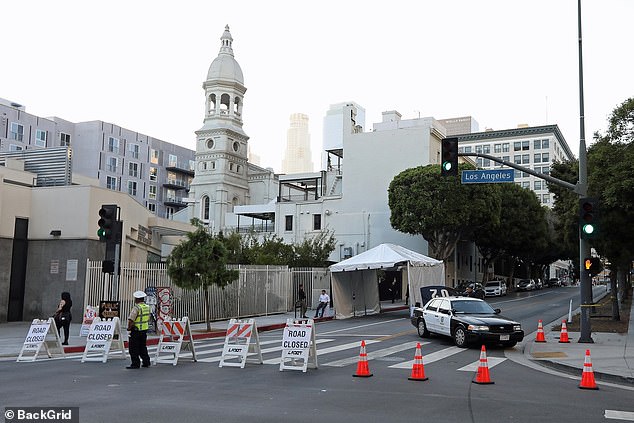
(138, 348)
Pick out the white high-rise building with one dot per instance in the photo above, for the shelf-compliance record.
(298, 156)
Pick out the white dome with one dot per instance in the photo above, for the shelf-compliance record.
(225, 66)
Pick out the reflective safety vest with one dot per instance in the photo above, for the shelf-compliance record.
(142, 317)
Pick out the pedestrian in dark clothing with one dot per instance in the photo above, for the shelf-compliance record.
(301, 295)
(63, 316)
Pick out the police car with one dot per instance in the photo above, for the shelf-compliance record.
(467, 320)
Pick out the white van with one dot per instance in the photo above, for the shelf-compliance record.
(495, 289)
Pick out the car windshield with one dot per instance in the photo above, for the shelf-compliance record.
(472, 307)
(493, 284)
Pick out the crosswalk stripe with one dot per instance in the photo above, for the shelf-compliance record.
(327, 350)
(619, 415)
(374, 354)
(263, 350)
(430, 358)
(491, 361)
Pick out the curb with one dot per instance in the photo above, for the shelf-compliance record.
(574, 371)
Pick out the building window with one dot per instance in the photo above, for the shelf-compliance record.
(173, 161)
(153, 173)
(134, 150)
(151, 207)
(467, 149)
(14, 147)
(497, 148)
(133, 169)
(210, 143)
(64, 139)
(526, 184)
(546, 199)
(525, 145)
(316, 222)
(506, 158)
(486, 163)
(111, 183)
(546, 170)
(113, 145)
(192, 165)
(112, 164)
(537, 185)
(152, 192)
(236, 146)
(17, 132)
(40, 138)
(526, 158)
(537, 144)
(506, 147)
(546, 143)
(517, 159)
(486, 149)
(169, 212)
(517, 146)
(545, 157)
(132, 188)
(288, 223)
(537, 157)
(205, 208)
(478, 149)
(154, 156)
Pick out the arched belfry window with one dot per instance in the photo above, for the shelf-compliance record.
(205, 208)
(212, 104)
(225, 104)
(238, 106)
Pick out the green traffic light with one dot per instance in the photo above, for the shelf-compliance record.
(588, 228)
(101, 232)
(446, 166)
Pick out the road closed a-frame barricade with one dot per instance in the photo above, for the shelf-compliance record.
(104, 337)
(242, 344)
(42, 333)
(299, 348)
(174, 333)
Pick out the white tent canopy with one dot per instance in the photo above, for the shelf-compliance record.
(355, 284)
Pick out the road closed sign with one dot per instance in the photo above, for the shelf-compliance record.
(298, 345)
(101, 336)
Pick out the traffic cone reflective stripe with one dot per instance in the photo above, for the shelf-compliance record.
(483, 377)
(563, 337)
(587, 378)
(363, 370)
(418, 370)
(540, 333)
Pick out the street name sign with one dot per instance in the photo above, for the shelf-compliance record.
(492, 176)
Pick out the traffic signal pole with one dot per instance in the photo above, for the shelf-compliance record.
(585, 281)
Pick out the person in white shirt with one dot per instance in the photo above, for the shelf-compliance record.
(324, 300)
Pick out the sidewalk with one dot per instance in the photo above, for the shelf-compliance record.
(12, 334)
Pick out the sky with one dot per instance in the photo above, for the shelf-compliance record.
(141, 64)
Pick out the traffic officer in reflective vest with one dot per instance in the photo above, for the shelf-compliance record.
(138, 323)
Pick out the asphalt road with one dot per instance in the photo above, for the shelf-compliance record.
(203, 392)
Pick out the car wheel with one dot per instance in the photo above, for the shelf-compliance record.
(460, 337)
(422, 328)
(509, 344)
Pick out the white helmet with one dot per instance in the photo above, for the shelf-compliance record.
(139, 294)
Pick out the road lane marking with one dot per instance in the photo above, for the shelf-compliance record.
(430, 358)
(619, 415)
(361, 326)
(264, 351)
(327, 350)
(491, 361)
(374, 354)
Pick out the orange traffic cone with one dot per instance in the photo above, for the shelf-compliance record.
(363, 370)
(482, 377)
(418, 370)
(587, 378)
(563, 337)
(540, 333)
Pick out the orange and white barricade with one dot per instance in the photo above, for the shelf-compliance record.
(173, 333)
(102, 335)
(242, 343)
(298, 345)
(36, 338)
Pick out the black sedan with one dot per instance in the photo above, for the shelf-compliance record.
(467, 321)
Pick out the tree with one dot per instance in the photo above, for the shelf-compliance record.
(314, 252)
(523, 223)
(441, 209)
(200, 261)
